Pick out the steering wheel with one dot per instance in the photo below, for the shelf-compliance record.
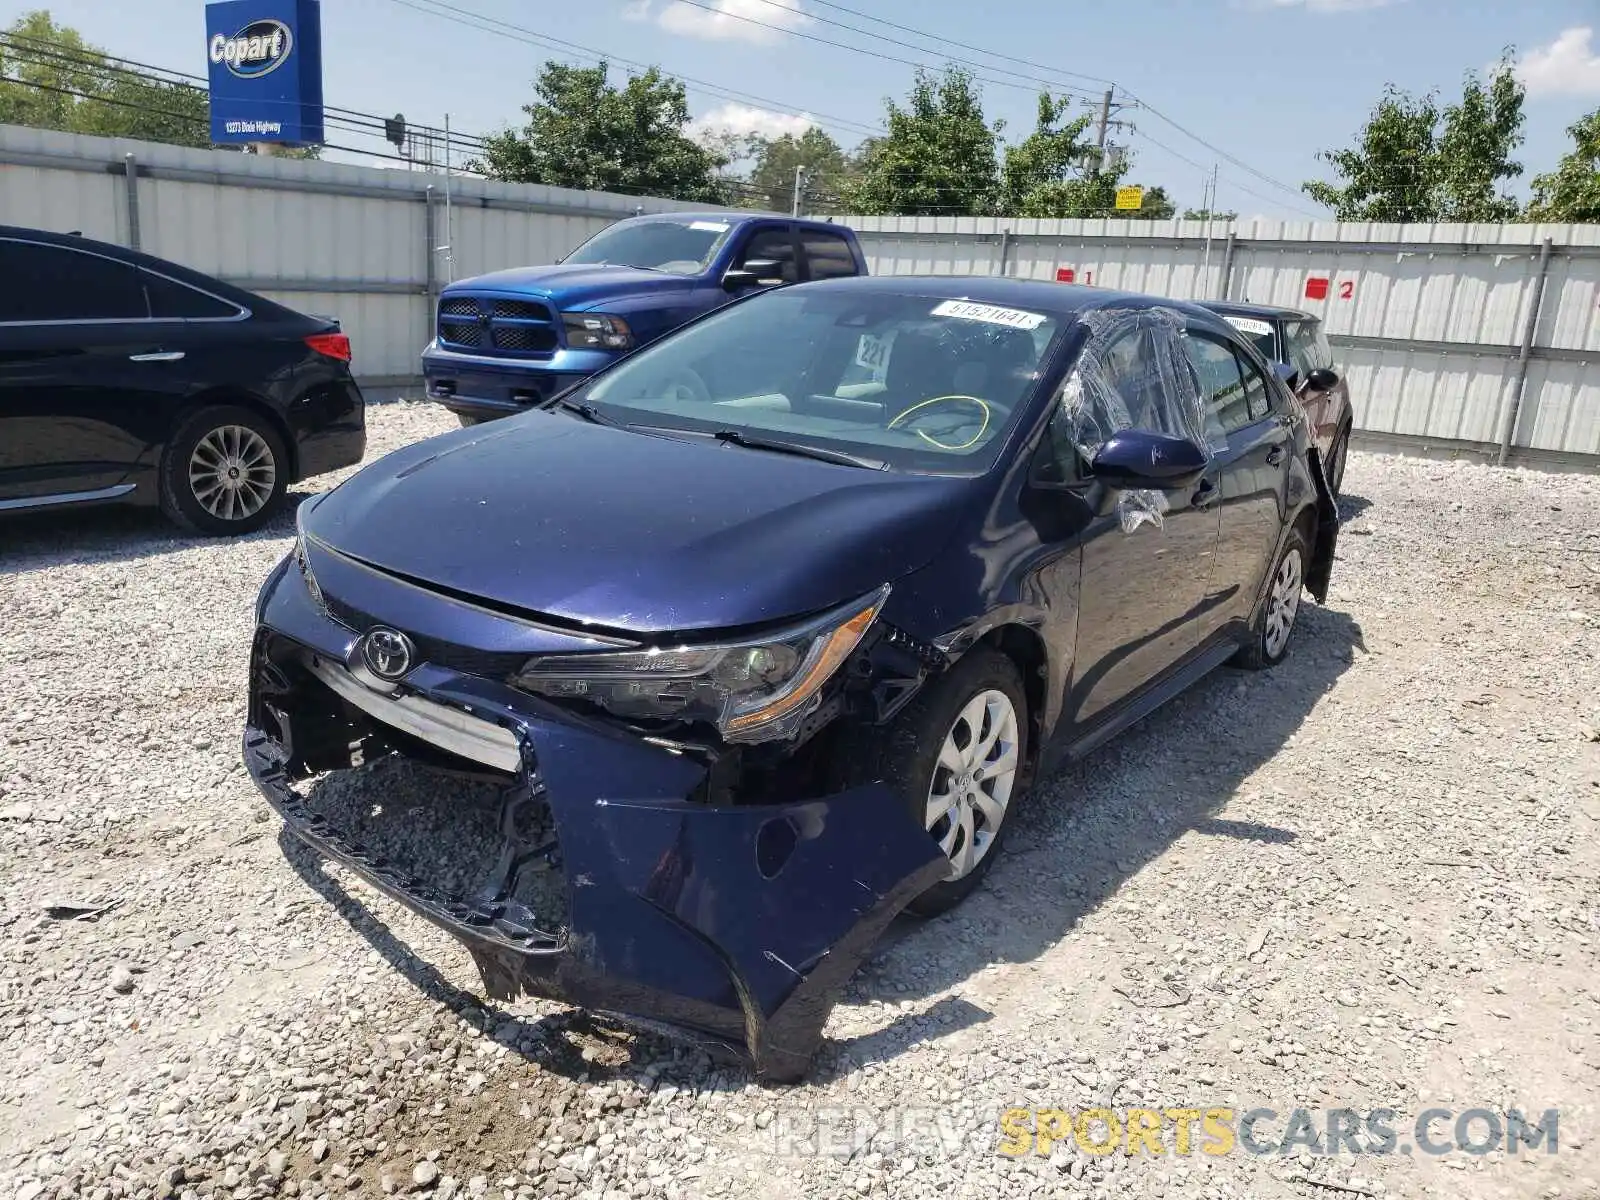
(933, 403)
(685, 384)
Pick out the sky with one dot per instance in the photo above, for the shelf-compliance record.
(1253, 87)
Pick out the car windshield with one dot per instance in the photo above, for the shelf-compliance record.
(916, 383)
(1258, 332)
(678, 247)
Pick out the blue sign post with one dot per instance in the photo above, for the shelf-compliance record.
(265, 60)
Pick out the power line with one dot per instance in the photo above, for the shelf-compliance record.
(1033, 82)
(960, 45)
(812, 37)
(494, 25)
(94, 61)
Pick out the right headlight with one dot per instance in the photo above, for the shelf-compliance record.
(596, 331)
(752, 691)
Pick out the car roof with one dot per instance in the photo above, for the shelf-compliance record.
(1062, 299)
(161, 266)
(738, 218)
(1241, 308)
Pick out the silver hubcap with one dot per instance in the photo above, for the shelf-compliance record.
(232, 472)
(972, 782)
(1283, 602)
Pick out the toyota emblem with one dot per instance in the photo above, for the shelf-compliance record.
(387, 653)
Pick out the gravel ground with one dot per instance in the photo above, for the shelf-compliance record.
(1367, 879)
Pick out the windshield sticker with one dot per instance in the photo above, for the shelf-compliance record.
(872, 353)
(1250, 325)
(710, 226)
(966, 310)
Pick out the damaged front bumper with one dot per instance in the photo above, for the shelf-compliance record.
(733, 925)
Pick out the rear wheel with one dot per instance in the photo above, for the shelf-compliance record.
(224, 472)
(1273, 626)
(954, 756)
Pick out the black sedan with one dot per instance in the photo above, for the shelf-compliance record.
(764, 631)
(125, 378)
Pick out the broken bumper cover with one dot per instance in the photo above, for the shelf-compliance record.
(735, 926)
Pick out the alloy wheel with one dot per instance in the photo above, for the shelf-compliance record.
(973, 779)
(232, 472)
(1283, 602)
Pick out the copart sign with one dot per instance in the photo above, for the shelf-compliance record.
(264, 62)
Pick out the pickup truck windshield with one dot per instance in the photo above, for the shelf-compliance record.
(924, 384)
(678, 247)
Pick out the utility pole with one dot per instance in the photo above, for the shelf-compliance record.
(449, 227)
(1105, 121)
(1211, 204)
(799, 188)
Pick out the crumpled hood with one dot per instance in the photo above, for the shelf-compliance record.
(632, 532)
(572, 285)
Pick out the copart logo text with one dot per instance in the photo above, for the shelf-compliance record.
(258, 49)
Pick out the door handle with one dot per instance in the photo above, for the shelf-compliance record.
(1205, 495)
(157, 356)
(1275, 456)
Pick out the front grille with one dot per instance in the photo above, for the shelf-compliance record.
(460, 333)
(485, 664)
(524, 337)
(521, 310)
(497, 325)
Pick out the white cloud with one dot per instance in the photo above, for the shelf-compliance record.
(746, 118)
(732, 20)
(1568, 66)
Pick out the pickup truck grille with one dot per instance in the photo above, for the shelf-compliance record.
(496, 325)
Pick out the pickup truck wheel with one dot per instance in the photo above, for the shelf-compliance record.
(468, 421)
(954, 756)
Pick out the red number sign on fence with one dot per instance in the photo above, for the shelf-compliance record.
(1317, 287)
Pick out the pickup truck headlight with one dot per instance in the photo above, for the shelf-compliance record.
(752, 691)
(596, 331)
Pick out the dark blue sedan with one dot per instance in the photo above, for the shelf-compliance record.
(759, 636)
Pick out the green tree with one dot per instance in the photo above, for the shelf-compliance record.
(771, 183)
(1041, 172)
(1417, 163)
(1571, 193)
(1474, 161)
(938, 156)
(584, 133)
(1206, 214)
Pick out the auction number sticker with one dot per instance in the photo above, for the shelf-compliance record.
(1250, 325)
(966, 310)
(872, 353)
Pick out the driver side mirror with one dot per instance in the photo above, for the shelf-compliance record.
(1319, 381)
(1141, 458)
(756, 272)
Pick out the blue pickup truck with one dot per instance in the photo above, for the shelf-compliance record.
(514, 338)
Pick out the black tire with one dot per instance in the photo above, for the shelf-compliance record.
(468, 421)
(907, 758)
(1338, 454)
(180, 500)
(1268, 646)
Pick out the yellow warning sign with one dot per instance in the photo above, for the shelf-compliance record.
(1130, 197)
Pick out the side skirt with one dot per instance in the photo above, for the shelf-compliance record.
(1154, 696)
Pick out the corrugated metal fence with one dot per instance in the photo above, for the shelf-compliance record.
(1455, 338)
(363, 244)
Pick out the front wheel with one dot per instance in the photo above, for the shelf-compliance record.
(1273, 624)
(955, 757)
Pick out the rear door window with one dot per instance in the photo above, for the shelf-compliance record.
(171, 300)
(828, 256)
(55, 283)
(1222, 386)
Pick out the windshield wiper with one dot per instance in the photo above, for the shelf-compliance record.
(740, 438)
(585, 410)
